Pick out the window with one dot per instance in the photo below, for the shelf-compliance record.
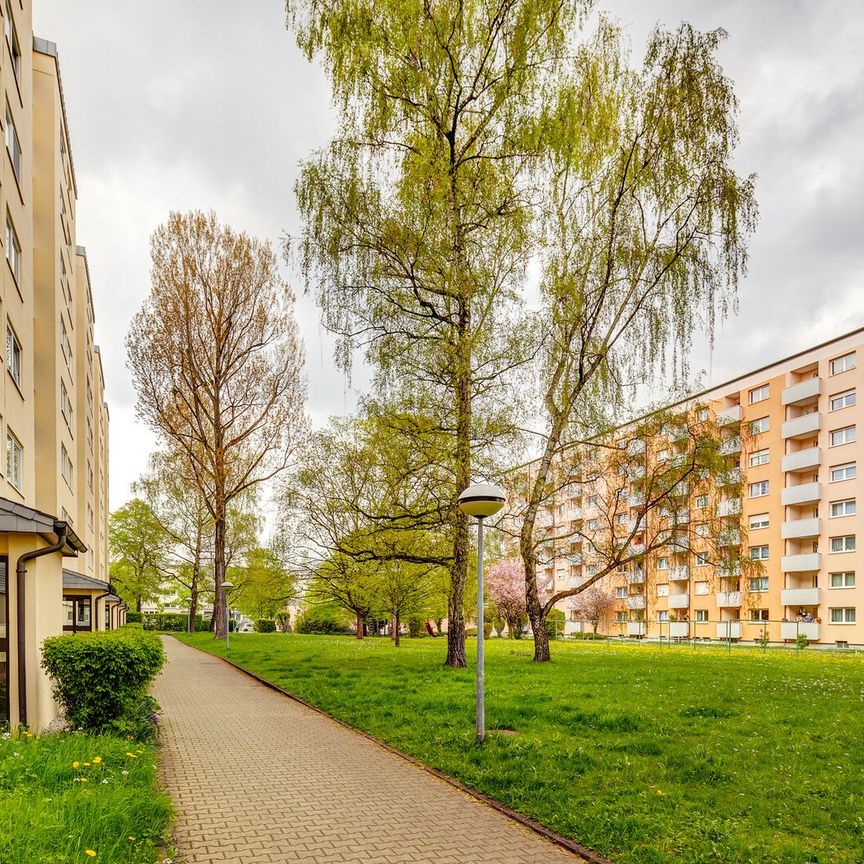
(14, 459)
(89, 517)
(12, 39)
(760, 457)
(701, 559)
(758, 490)
(759, 553)
(843, 508)
(621, 519)
(662, 455)
(843, 615)
(621, 591)
(65, 403)
(592, 524)
(621, 617)
(844, 579)
(703, 529)
(593, 500)
(65, 345)
(89, 475)
(13, 249)
(758, 614)
(701, 588)
(13, 355)
(763, 424)
(662, 563)
(759, 520)
(846, 435)
(13, 145)
(662, 615)
(702, 414)
(843, 472)
(701, 502)
(65, 465)
(701, 615)
(758, 584)
(663, 590)
(843, 544)
(843, 364)
(843, 400)
(759, 394)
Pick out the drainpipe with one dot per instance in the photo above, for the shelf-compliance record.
(60, 529)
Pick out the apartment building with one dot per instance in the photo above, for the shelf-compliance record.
(787, 501)
(53, 417)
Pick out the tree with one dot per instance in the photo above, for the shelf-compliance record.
(139, 549)
(506, 585)
(647, 227)
(593, 605)
(417, 218)
(217, 363)
(262, 585)
(401, 591)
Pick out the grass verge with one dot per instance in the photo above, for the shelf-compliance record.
(648, 755)
(75, 798)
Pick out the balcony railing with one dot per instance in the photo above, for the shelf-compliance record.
(729, 507)
(730, 446)
(635, 628)
(792, 629)
(729, 478)
(800, 596)
(797, 529)
(802, 392)
(679, 601)
(804, 493)
(801, 563)
(729, 599)
(729, 538)
(679, 574)
(728, 630)
(637, 601)
(729, 415)
(802, 460)
(679, 629)
(800, 427)
(637, 577)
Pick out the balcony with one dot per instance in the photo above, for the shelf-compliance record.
(791, 629)
(679, 574)
(574, 558)
(635, 628)
(729, 415)
(637, 601)
(729, 630)
(801, 528)
(802, 427)
(729, 507)
(679, 629)
(801, 460)
(805, 493)
(636, 500)
(802, 392)
(637, 577)
(800, 597)
(729, 570)
(801, 563)
(729, 478)
(635, 447)
(729, 599)
(729, 538)
(679, 601)
(637, 548)
(730, 446)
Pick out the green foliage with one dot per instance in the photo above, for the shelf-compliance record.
(801, 641)
(171, 622)
(139, 552)
(555, 623)
(645, 753)
(265, 625)
(416, 626)
(587, 637)
(97, 677)
(263, 584)
(48, 815)
(133, 625)
(323, 618)
(133, 617)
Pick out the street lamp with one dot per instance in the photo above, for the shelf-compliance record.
(225, 587)
(480, 501)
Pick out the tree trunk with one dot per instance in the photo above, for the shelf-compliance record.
(193, 599)
(220, 622)
(360, 625)
(397, 624)
(137, 604)
(393, 628)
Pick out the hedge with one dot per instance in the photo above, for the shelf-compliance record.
(133, 617)
(173, 622)
(265, 625)
(321, 619)
(101, 678)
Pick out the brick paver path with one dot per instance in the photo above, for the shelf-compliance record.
(257, 777)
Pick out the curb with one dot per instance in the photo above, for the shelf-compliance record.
(586, 854)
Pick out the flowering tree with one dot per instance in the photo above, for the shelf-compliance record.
(593, 605)
(506, 585)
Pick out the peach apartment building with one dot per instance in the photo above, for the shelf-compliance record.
(54, 480)
(793, 507)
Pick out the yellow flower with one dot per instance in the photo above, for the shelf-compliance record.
(89, 853)
(97, 760)
(131, 837)
(86, 764)
(75, 764)
(131, 755)
(84, 780)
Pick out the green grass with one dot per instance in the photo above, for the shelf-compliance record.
(52, 811)
(645, 754)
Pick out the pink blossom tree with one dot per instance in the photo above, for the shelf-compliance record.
(593, 605)
(506, 589)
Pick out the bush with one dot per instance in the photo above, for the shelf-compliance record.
(101, 677)
(554, 623)
(133, 617)
(321, 619)
(415, 626)
(132, 625)
(202, 625)
(588, 636)
(265, 625)
(172, 622)
(801, 641)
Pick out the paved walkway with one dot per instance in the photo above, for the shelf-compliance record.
(257, 777)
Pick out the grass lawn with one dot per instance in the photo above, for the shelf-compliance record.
(62, 795)
(643, 753)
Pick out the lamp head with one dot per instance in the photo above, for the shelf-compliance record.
(227, 584)
(482, 500)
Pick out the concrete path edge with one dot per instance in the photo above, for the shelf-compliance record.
(583, 852)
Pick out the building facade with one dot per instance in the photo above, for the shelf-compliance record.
(53, 488)
(787, 501)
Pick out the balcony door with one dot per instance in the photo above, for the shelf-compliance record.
(77, 614)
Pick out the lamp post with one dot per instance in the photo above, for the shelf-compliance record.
(480, 501)
(225, 587)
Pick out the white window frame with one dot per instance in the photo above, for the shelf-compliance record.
(846, 614)
(13, 249)
(761, 485)
(761, 551)
(759, 394)
(759, 457)
(756, 427)
(846, 471)
(13, 355)
(14, 460)
(848, 433)
(759, 521)
(67, 469)
(843, 363)
(846, 540)
(701, 502)
(839, 401)
(843, 508)
(12, 38)
(662, 563)
(845, 579)
(757, 585)
(13, 143)
(700, 615)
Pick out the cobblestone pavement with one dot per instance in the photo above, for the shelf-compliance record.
(256, 777)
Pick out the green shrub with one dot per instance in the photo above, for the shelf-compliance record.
(132, 617)
(470, 631)
(554, 623)
(202, 625)
(100, 677)
(801, 641)
(416, 626)
(588, 636)
(322, 619)
(132, 625)
(172, 622)
(265, 625)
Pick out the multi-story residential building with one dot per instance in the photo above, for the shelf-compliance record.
(786, 502)
(53, 488)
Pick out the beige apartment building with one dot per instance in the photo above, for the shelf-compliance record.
(788, 500)
(53, 416)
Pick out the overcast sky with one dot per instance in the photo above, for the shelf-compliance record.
(180, 104)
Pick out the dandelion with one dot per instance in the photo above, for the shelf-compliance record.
(90, 853)
(97, 760)
(75, 764)
(131, 837)
(84, 780)
(131, 755)
(86, 764)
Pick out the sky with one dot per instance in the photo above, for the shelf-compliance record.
(200, 104)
